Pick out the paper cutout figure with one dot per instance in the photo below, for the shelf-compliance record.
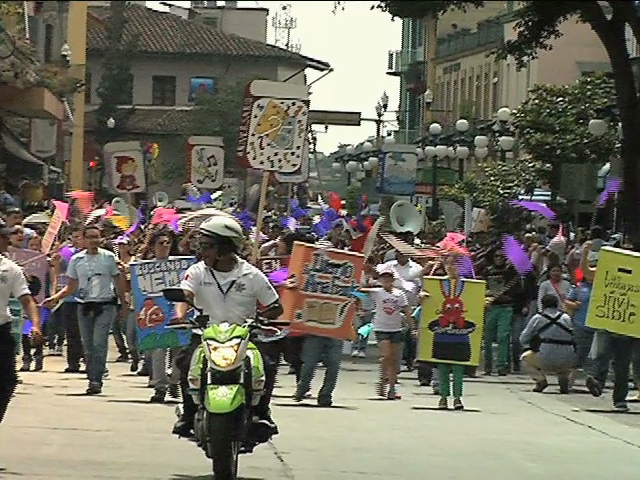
(126, 166)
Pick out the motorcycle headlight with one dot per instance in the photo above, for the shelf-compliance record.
(223, 354)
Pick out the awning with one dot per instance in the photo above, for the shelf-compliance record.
(16, 147)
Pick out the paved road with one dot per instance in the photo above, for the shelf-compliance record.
(53, 432)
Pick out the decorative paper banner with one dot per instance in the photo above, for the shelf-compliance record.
(35, 266)
(125, 167)
(84, 200)
(205, 162)
(59, 215)
(274, 126)
(615, 299)
(153, 311)
(452, 321)
(272, 264)
(322, 304)
(397, 171)
(301, 174)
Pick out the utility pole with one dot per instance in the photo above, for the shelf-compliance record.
(283, 22)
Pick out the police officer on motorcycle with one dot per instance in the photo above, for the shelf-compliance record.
(228, 289)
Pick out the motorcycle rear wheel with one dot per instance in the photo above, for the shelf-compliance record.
(224, 444)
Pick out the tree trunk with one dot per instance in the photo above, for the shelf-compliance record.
(630, 117)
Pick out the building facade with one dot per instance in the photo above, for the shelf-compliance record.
(180, 56)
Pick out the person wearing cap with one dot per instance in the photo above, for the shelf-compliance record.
(13, 283)
(391, 311)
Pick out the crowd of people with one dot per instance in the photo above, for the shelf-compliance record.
(537, 320)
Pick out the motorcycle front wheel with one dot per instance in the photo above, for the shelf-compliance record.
(224, 444)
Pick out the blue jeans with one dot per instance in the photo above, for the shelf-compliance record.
(94, 330)
(316, 349)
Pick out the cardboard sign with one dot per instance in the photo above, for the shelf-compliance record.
(322, 302)
(59, 216)
(153, 311)
(272, 264)
(125, 167)
(35, 266)
(615, 297)
(205, 162)
(274, 126)
(397, 173)
(452, 321)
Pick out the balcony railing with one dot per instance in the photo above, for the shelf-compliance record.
(489, 32)
(399, 61)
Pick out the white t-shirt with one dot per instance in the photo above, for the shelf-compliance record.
(389, 309)
(229, 296)
(410, 272)
(12, 283)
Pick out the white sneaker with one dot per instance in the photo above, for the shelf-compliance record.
(362, 355)
(355, 353)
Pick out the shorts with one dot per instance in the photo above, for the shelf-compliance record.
(393, 337)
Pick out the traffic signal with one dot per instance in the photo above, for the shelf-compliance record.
(94, 165)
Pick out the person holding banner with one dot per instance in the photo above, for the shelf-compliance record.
(12, 283)
(228, 289)
(95, 274)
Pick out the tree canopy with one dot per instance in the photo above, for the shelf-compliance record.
(552, 124)
(495, 184)
(537, 25)
(220, 114)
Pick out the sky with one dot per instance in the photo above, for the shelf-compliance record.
(356, 42)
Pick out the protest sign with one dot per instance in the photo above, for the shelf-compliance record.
(322, 302)
(452, 321)
(153, 311)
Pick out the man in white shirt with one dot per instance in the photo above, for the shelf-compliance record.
(228, 289)
(13, 283)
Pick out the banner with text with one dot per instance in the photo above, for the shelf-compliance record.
(322, 302)
(616, 293)
(153, 311)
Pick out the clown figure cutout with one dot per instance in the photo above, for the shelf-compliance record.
(126, 167)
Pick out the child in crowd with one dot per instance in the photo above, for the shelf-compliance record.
(390, 312)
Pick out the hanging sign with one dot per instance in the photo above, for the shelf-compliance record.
(397, 172)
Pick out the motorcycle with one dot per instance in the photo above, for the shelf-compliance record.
(226, 380)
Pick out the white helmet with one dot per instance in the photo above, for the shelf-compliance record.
(223, 226)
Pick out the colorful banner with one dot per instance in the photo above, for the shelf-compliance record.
(59, 216)
(322, 302)
(35, 266)
(205, 162)
(616, 293)
(126, 168)
(153, 311)
(272, 264)
(452, 321)
(397, 171)
(274, 126)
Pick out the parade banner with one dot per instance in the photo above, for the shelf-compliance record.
(615, 297)
(205, 162)
(59, 215)
(125, 167)
(153, 311)
(452, 321)
(273, 131)
(397, 171)
(321, 302)
(35, 266)
(272, 264)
